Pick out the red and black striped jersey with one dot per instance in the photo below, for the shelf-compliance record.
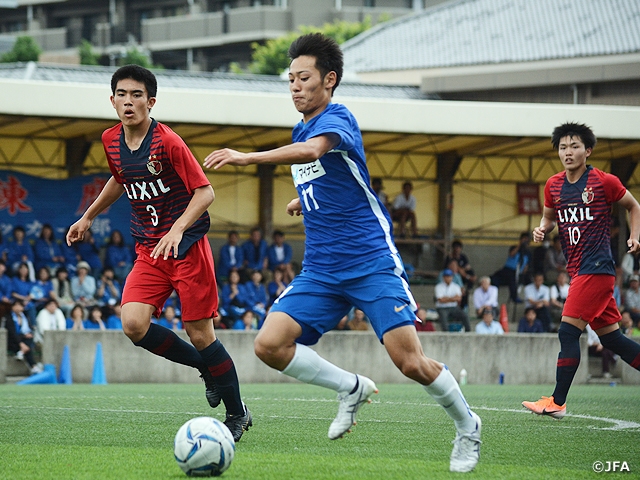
(583, 217)
(159, 179)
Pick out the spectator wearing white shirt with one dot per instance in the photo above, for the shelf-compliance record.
(488, 326)
(486, 295)
(448, 295)
(403, 210)
(558, 295)
(538, 296)
(49, 318)
(632, 298)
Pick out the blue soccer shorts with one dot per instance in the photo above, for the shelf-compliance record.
(318, 300)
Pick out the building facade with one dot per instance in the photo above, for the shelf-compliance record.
(196, 35)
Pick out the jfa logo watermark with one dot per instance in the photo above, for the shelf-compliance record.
(606, 467)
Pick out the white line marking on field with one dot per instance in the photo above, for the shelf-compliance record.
(617, 424)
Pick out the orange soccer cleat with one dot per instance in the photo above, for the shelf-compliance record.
(546, 406)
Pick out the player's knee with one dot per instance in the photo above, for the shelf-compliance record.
(134, 329)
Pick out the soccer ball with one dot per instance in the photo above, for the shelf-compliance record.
(204, 447)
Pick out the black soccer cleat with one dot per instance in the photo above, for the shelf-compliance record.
(212, 393)
(238, 424)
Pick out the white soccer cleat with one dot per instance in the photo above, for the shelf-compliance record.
(466, 449)
(350, 403)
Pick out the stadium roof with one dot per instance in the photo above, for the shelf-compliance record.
(198, 81)
(468, 33)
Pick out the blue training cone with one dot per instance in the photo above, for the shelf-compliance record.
(99, 375)
(46, 376)
(65, 367)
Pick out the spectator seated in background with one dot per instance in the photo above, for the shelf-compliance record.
(530, 323)
(71, 257)
(558, 295)
(627, 326)
(276, 286)
(538, 296)
(77, 317)
(232, 299)
(5, 284)
(169, 319)
(42, 288)
(83, 286)
(515, 268)
(118, 256)
(3, 248)
(463, 268)
(279, 256)
(448, 296)
(343, 324)
(596, 349)
(89, 251)
(61, 292)
(108, 290)
(19, 251)
(94, 321)
(21, 286)
(423, 321)
(377, 187)
(486, 295)
(248, 321)
(20, 336)
(254, 251)
(231, 257)
(114, 320)
(49, 318)
(256, 296)
(47, 251)
(488, 325)
(554, 261)
(403, 210)
(358, 320)
(632, 298)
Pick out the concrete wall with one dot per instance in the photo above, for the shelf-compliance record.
(524, 359)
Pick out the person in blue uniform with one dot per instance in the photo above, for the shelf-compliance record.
(350, 257)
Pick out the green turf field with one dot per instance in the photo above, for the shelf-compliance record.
(126, 432)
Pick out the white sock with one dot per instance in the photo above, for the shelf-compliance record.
(309, 367)
(445, 390)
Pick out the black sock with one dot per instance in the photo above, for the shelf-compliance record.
(568, 361)
(223, 370)
(165, 343)
(628, 350)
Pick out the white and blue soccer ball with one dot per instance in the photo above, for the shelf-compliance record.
(204, 447)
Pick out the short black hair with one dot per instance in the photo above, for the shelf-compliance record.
(456, 243)
(325, 50)
(137, 73)
(572, 129)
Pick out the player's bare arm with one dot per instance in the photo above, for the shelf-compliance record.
(110, 193)
(547, 224)
(202, 198)
(629, 202)
(301, 152)
(294, 207)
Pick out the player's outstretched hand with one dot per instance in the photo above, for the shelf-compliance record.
(166, 244)
(294, 207)
(634, 245)
(76, 231)
(538, 234)
(218, 158)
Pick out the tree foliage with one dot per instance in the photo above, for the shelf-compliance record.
(87, 55)
(134, 56)
(271, 58)
(24, 50)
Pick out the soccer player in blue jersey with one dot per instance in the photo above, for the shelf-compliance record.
(169, 196)
(578, 200)
(350, 257)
